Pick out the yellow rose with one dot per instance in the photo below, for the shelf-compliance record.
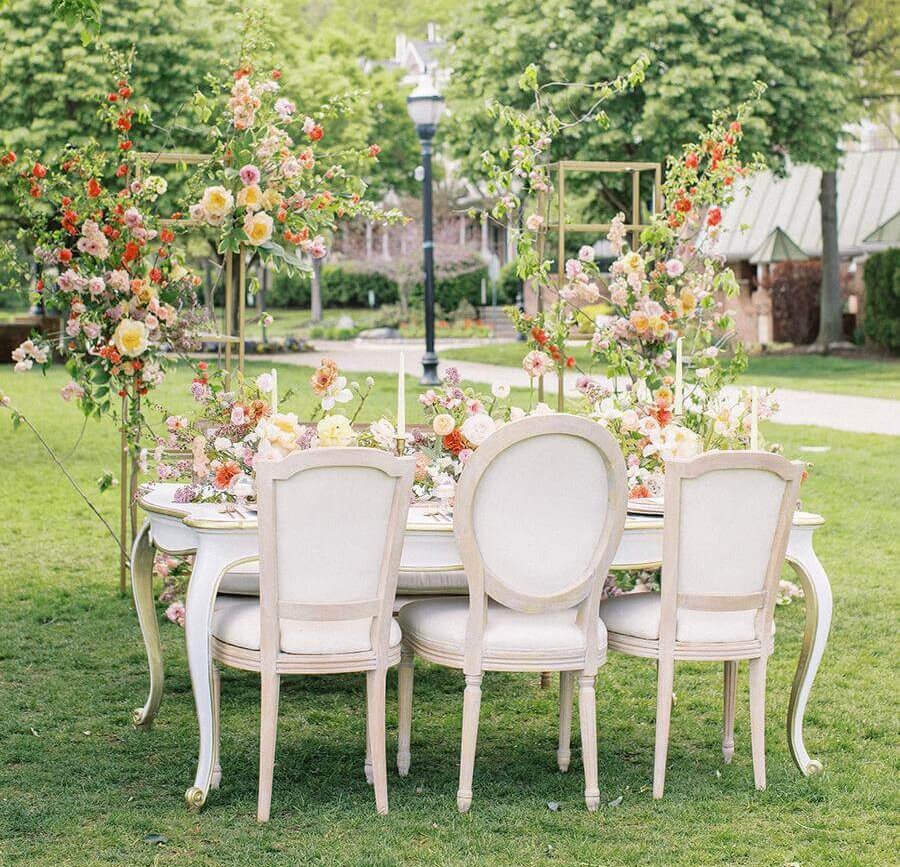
(144, 290)
(633, 262)
(658, 326)
(443, 424)
(687, 302)
(217, 201)
(258, 228)
(335, 430)
(271, 199)
(281, 430)
(250, 197)
(639, 321)
(130, 337)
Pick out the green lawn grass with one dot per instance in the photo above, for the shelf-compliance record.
(78, 786)
(860, 376)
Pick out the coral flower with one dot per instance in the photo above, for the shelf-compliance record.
(455, 442)
(225, 474)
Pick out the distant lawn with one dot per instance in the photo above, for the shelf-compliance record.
(859, 376)
(78, 786)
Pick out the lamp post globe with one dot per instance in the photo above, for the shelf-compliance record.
(425, 106)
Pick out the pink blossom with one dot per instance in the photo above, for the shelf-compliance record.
(674, 268)
(536, 363)
(317, 248)
(249, 175)
(464, 455)
(586, 253)
(573, 268)
(237, 415)
(92, 330)
(284, 108)
(96, 286)
(534, 223)
(176, 613)
(308, 125)
(132, 218)
(73, 327)
(474, 406)
(70, 281)
(71, 390)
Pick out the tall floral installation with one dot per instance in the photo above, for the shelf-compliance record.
(667, 344)
(272, 184)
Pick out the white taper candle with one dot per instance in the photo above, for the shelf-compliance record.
(679, 377)
(401, 398)
(754, 420)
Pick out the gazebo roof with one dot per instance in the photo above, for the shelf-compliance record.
(778, 247)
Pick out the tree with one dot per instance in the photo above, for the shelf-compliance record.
(703, 54)
(866, 31)
(50, 81)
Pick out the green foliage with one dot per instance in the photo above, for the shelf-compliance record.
(702, 54)
(508, 284)
(451, 290)
(344, 285)
(882, 279)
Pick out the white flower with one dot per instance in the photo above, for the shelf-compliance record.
(542, 409)
(500, 390)
(516, 413)
(221, 444)
(477, 428)
(534, 223)
(337, 393)
(384, 434)
(265, 382)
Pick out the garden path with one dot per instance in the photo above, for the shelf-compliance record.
(836, 411)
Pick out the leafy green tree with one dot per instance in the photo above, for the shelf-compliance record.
(703, 54)
(867, 32)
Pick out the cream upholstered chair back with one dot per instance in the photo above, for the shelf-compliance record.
(540, 509)
(331, 525)
(728, 518)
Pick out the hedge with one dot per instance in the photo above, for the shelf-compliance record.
(882, 279)
(348, 286)
(341, 287)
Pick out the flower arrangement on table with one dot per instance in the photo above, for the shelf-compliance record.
(269, 185)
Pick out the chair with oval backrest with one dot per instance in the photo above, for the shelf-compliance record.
(331, 525)
(539, 512)
(727, 522)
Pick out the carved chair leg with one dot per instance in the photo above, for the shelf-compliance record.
(587, 717)
(566, 690)
(404, 709)
(471, 713)
(665, 680)
(758, 719)
(375, 709)
(270, 687)
(217, 726)
(730, 695)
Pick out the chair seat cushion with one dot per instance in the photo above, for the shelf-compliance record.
(637, 615)
(236, 621)
(440, 624)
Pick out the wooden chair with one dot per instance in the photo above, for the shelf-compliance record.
(727, 522)
(331, 525)
(539, 512)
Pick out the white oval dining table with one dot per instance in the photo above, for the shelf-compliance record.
(224, 544)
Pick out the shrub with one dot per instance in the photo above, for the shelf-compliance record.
(794, 288)
(882, 280)
(508, 284)
(344, 285)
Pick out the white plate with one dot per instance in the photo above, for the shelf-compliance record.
(646, 506)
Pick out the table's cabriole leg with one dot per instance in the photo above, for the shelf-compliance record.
(214, 557)
(818, 598)
(142, 554)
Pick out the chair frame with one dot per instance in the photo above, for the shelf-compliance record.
(667, 649)
(271, 662)
(582, 593)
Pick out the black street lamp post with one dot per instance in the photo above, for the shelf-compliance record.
(425, 106)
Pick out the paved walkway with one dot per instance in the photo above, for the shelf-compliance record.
(837, 411)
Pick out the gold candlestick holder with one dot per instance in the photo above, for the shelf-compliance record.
(401, 445)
